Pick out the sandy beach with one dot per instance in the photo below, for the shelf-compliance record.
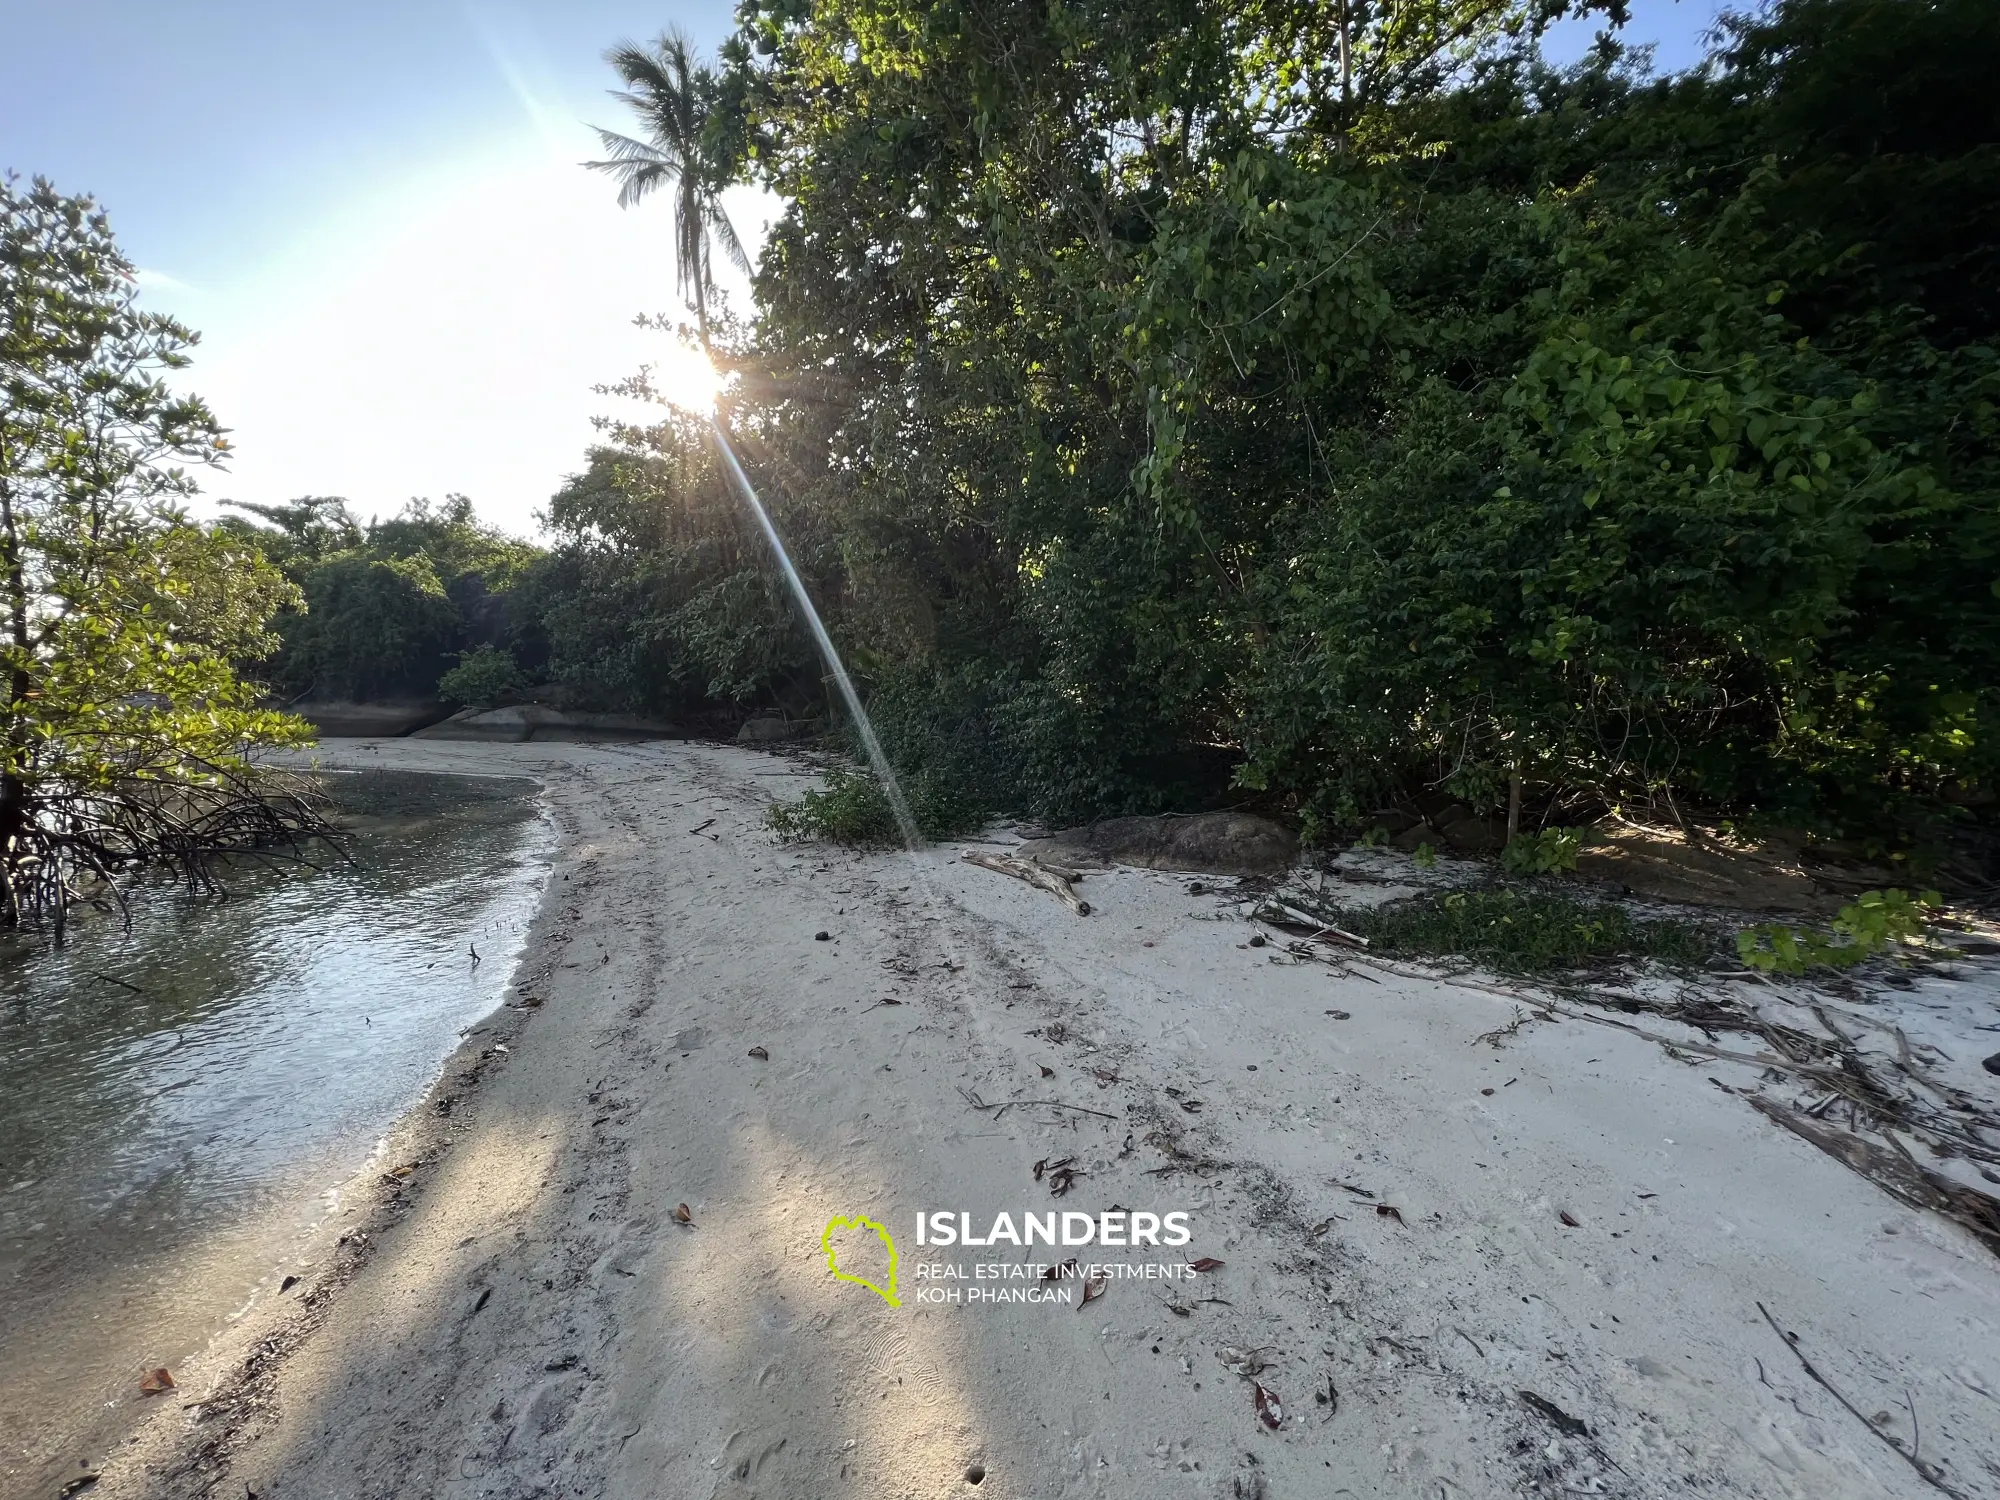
(1449, 1264)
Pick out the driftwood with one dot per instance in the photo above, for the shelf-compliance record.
(1897, 1173)
(1049, 878)
(1290, 918)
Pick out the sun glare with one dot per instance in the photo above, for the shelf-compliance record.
(685, 378)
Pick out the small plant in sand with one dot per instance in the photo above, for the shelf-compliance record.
(1550, 851)
(1875, 922)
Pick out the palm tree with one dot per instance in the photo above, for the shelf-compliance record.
(674, 98)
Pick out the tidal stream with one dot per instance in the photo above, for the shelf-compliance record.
(181, 1102)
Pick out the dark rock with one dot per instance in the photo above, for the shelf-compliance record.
(1223, 843)
(535, 721)
(1475, 835)
(767, 730)
(1992, 1064)
(385, 718)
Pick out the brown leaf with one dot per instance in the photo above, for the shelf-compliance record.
(1206, 1263)
(1105, 1076)
(1269, 1411)
(760, 1054)
(1040, 1166)
(682, 1215)
(1389, 1211)
(156, 1382)
(1564, 1215)
(1057, 1273)
(1192, 1106)
(1048, 1072)
(1061, 1178)
(1092, 1290)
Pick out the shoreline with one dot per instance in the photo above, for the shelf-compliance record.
(1577, 1218)
(193, 1173)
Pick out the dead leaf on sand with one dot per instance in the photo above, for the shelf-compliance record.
(156, 1382)
(1389, 1211)
(1563, 1421)
(1059, 1273)
(1061, 1179)
(683, 1215)
(1206, 1263)
(1045, 1165)
(1105, 1076)
(760, 1054)
(1047, 1071)
(1269, 1411)
(1568, 1218)
(1092, 1290)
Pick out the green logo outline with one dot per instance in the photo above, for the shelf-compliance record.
(826, 1244)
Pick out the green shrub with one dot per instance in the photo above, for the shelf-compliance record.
(483, 676)
(852, 809)
(1551, 851)
(1872, 923)
(1527, 932)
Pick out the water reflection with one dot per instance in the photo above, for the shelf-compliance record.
(173, 1098)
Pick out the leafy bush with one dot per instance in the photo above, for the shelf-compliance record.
(483, 676)
(1549, 851)
(852, 809)
(1527, 932)
(1873, 923)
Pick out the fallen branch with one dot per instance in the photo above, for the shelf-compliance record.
(1006, 1104)
(1034, 874)
(1278, 914)
(1897, 1173)
(1926, 1472)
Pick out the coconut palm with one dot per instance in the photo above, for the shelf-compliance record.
(674, 99)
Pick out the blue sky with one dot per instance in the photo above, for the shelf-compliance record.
(374, 214)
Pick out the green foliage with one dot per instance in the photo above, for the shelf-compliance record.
(1874, 922)
(1548, 851)
(125, 732)
(386, 607)
(483, 676)
(852, 809)
(1432, 415)
(659, 595)
(1527, 932)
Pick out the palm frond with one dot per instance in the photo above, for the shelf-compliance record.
(717, 218)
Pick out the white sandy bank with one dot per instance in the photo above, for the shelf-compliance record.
(1565, 1300)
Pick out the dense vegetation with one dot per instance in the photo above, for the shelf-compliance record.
(388, 609)
(1159, 392)
(1169, 401)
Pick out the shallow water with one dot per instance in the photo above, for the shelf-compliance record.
(179, 1103)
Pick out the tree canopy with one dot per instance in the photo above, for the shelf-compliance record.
(125, 729)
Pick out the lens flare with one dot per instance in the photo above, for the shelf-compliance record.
(685, 378)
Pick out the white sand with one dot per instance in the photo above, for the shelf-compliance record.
(523, 1317)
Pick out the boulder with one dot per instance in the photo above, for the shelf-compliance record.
(1662, 864)
(383, 719)
(768, 729)
(1222, 843)
(518, 722)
